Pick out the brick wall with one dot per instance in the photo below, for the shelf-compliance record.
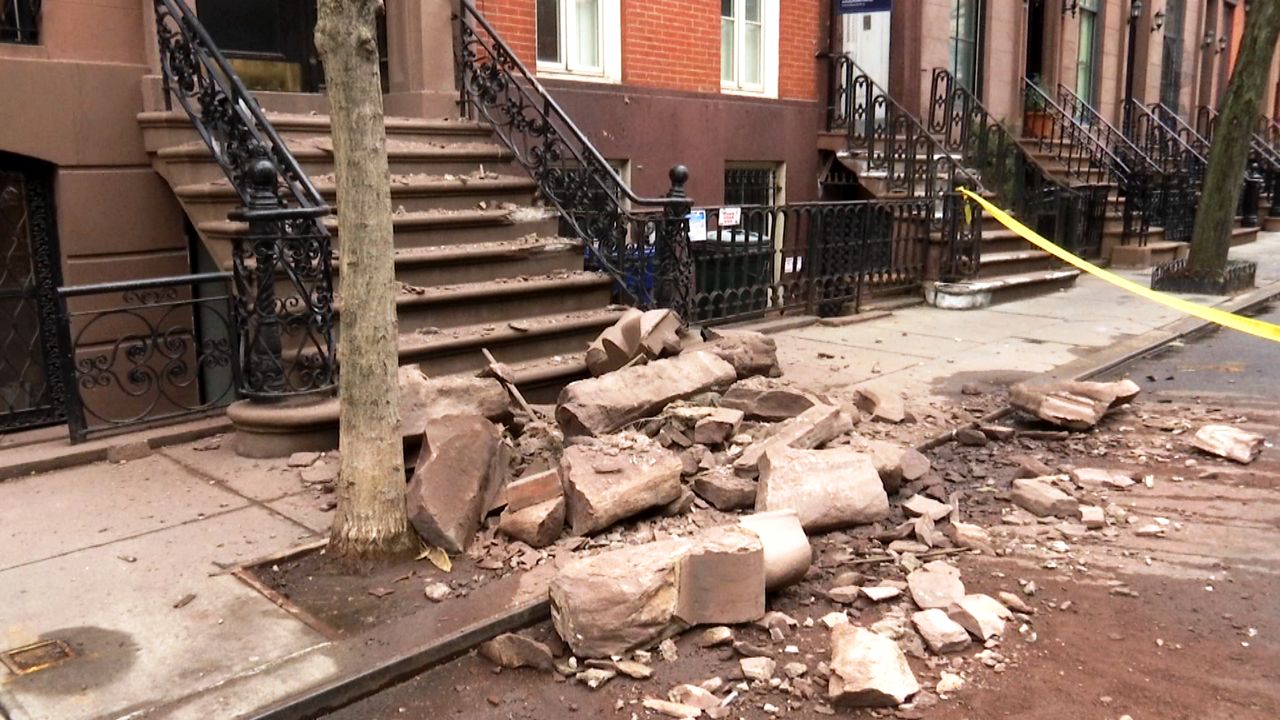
(675, 44)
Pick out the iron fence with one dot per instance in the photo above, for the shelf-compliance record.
(148, 352)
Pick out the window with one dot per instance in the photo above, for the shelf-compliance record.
(966, 23)
(749, 45)
(1086, 53)
(579, 38)
(749, 184)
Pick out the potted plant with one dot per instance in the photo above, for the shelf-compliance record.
(1036, 120)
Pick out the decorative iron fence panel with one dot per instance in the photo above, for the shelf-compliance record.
(148, 352)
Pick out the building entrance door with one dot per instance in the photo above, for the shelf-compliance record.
(32, 392)
(866, 40)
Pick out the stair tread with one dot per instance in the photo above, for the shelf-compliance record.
(400, 184)
(1006, 281)
(484, 250)
(397, 149)
(288, 121)
(1013, 256)
(409, 295)
(425, 218)
(455, 339)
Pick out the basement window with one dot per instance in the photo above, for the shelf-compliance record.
(581, 39)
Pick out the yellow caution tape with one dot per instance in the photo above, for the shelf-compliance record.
(1252, 326)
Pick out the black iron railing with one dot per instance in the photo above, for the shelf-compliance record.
(148, 351)
(895, 147)
(282, 266)
(642, 242)
(814, 258)
(1070, 132)
(1264, 160)
(20, 21)
(1019, 182)
(1182, 165)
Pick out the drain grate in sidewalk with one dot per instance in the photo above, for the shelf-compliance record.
(36, 656)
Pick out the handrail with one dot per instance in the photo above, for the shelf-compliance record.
(1099, 127)
(225, 114)
(1154, 134)
(552, 109)
(1265, 151)
(1189, 136)
(1069, 130)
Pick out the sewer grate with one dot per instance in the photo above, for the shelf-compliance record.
(36, 656)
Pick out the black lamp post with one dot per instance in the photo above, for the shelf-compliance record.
(1135, 13)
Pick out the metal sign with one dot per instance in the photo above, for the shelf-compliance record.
(730, 216)
(697, 226)
(853, 7)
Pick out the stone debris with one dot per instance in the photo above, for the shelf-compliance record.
(919, 505)
(715, 637)
(516, 651)
(612, 478)
(722, 580)
(303, 459)
(814, 427)
(982, 615)
(1229, 442)
(632, 669)
(758, 668)
(896, 463)
(460, 469)
(1098, 478)
(1015, 603)
(537, 525)
(725, 489)
(868, 670)
(880, 404)
(672, 709)
(532, 489)
(693, 695)
(607, 403)
(942, 634)
(437, 592)
(828, 489)
(1038, 497)
(936, 587)
(595, 678)
(969, 536)
(649, 334)
(833, 619)
(787, 553)
(948, 683)
(1072, 405)
(749, 352)
(423, 399)
(718, 426)
(1093, 517)
(767, 400)
(880, 593)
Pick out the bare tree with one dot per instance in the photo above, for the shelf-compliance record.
(371, 523)
(1224, 178)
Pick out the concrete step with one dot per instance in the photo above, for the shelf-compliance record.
(982, 292)
(498, 302)
(1001, 240)
(1013, 262)
(1154, 252)
(1244, 236)
(481, 262)
(167, 128)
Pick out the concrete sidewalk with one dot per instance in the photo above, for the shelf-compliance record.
(100, 554)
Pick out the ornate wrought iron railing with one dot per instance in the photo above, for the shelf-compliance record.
(148, 351)
(1262, 175)
(642, 242)
(894, 146)
(1020, 183)
(20, 21)
(818, 258)
(1063, 131)
(282, 265)
(1182, 166)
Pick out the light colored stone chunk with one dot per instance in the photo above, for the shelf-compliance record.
(423, 399)
(787, 553)
(758, 668)
(1038, 497)
(516, 651)
(982, 615)
(926, 507)
(942, 634)
(722, 580)
(881, 593)
(768, 400)
(672, 709)
(604, 404)
(1093, 517)
(827, 489)
(536, 525)
(811, 428)
(718, 427)
(968, 535)
(934, 589)
(1100, 478)
(532, 490)
(1072, 405)
(750, 353)
(868, 670)
(607, 480)
(694, 696)
(617, 345)
(881, 404)
(1229, 442)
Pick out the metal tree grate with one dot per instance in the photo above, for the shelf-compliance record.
(36, 656)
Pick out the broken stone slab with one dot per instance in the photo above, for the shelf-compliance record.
(758, 668)
(516, 651)
(715, 637)
(725, 489)
(1015, 603)
(828, 489)
(303, 459)
(895, 463)
(787, 553)
(531, 490)
(813, 427)
(617, 345)
(1072, 405)
(1038, 497)
(671, 709)
(919, 505)
(660, 333)
(423, 399)
(604, 404)
(722, 580)
(767, 400)
(881, 404)
(536, 525)
(1029, 467)
(718, 427)
(880, 593)
(969, 536)
(942, 634)
(460, 469)
(750, 353)
(608, 604)
(1229, 442)
(868, 670)
(1093, 517)
(982, 615)
(693, 696)
(935, 588)
(1101, 477)
(608, 479)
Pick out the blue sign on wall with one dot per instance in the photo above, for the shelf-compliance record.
(850, 7)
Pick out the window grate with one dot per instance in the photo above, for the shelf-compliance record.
(750, 186)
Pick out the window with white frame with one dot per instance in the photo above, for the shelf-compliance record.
(581, 38)
(749, 45)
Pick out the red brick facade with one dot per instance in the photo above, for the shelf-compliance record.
(675, 44)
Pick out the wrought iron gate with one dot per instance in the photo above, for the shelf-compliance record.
(31, 381)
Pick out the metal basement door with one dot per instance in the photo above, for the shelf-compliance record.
(31, 382)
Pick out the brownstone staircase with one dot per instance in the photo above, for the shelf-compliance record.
(480, 263)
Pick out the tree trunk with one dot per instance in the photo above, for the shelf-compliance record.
(371, 523)
(1229, 155)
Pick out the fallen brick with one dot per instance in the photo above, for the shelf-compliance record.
(722, 579)
(1093, 517)
(536, 525)
(617, 345)
(880, 404)
(1038, 497)
(725, 489)
(460, 469)
(423, 399)
(816, 426)
(750, 353)
(828, 489)
(718, 427)
(608, 479)
(531, 490)
(868, 670)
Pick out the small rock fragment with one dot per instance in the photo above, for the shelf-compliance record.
(1229, 442)
(935, 589)
(1037, 496)
(758, 668)
(982, 615)
(942, 634)
(516, 651)
(868, 670)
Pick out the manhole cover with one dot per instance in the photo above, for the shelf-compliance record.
(36, 656)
